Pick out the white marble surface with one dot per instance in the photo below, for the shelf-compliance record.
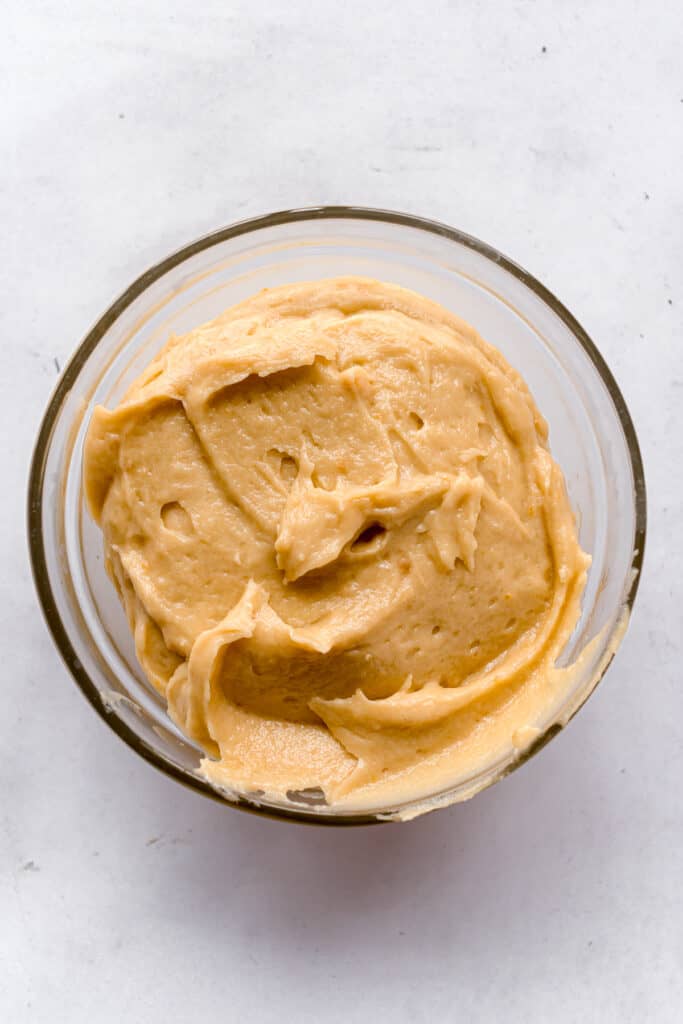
(553, 130)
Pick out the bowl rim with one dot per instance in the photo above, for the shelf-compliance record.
(71, 372)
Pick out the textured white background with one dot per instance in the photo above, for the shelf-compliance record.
(553, 131)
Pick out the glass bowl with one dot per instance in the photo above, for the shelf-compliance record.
(591, 435)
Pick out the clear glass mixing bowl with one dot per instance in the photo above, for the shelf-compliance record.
(591, 434)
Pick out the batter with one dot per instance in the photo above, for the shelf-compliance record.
(344, 549)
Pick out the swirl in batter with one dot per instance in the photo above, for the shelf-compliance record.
(344, 549)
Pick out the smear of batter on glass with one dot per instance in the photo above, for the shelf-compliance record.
(345, 552)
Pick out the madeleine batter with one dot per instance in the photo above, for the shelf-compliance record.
(345, 552)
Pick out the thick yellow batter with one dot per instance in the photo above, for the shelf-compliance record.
(344, 549)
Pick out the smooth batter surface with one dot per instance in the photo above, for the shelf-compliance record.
(344, 549)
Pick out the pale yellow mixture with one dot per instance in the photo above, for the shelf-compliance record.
(345, 552)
